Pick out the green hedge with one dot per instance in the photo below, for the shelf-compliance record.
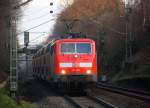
(7, 102)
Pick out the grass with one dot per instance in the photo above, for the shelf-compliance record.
(7, 102)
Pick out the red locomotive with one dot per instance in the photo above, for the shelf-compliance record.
(67, 61)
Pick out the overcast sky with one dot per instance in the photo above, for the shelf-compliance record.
(37, 12)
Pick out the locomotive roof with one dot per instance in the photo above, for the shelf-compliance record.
(74, 40)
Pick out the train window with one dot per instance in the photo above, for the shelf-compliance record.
(83, 48)
(48, 48)
(68, 48)
(52, 49)
(79, 48)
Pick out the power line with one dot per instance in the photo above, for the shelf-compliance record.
(36, 38)
(113, 30)
(37, 17)
(22, 4)
(36, 26)
(39, 32)
(36, 11)
(32, 13)
(41, 17)
(22, 38)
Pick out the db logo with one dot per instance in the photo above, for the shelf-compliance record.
(75, 64)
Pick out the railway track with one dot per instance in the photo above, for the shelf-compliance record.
(88, 102)
(125, 91)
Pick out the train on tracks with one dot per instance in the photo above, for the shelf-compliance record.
(67, 62)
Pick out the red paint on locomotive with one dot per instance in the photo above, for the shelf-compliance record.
(64, 59)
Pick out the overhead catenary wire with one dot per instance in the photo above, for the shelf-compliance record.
(41, 16)
(22, 4)
(39, 32)
(37, 37)
(36, 26)
(37, 11)
(32, 13)
(98, 22)
(111, 29)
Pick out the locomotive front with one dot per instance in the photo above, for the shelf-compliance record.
(76, 60)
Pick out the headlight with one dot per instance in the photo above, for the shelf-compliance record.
(88, 72)
(63, 72)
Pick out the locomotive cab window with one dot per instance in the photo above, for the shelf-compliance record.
(84, 48)
(67, 48)
(75, 48)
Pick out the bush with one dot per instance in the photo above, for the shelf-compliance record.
(8, 102)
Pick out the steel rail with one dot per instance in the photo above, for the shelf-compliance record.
(72, 101)
(102, 102)
(95, 99)
(125, 91)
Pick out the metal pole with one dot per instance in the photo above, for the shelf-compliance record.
(126, 41)
(26, 60)
(130, 45)
(126, 28)
(13, 78)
